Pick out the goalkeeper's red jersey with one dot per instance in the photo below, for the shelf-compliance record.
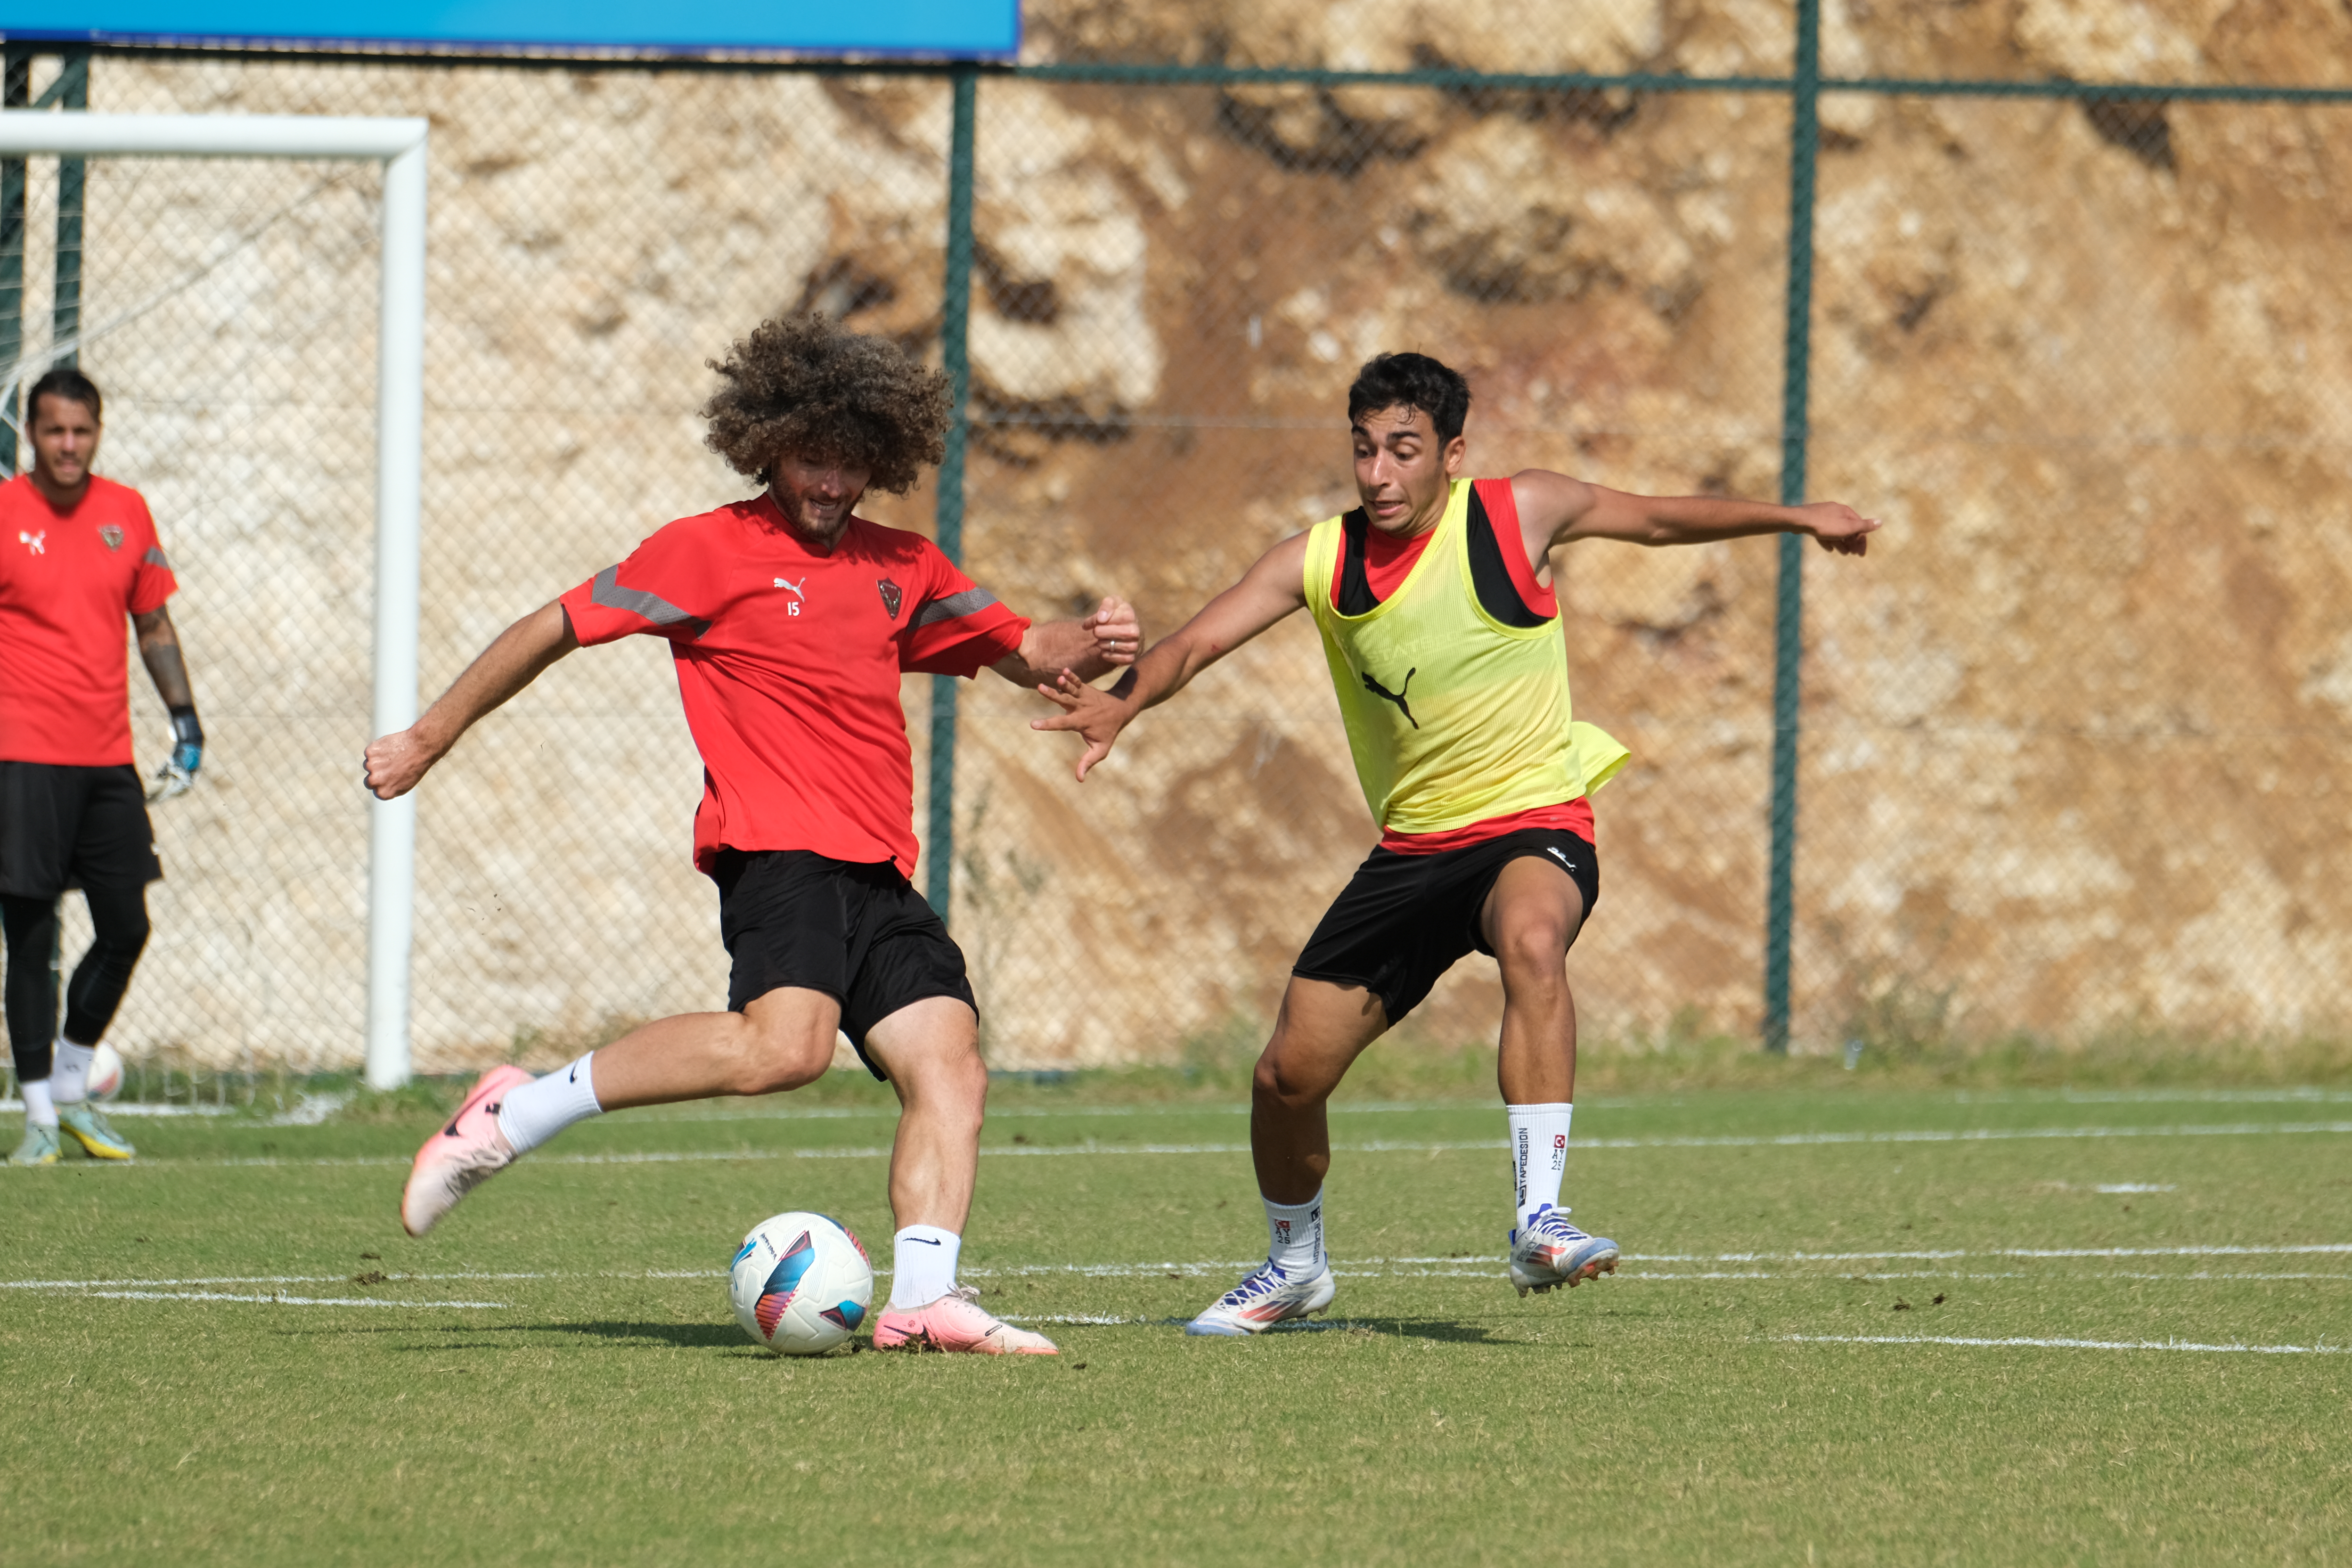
(67, 582)
(788, 662)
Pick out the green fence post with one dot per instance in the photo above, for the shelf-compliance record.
(15, 92)
(955, 324)
(72, 91)
(1788, 641)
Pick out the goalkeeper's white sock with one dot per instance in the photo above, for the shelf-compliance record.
(40, 1111)
(1539, 1155)
(922, 1266)
(70, 1078)
(545, 1106)
(1295, 1236)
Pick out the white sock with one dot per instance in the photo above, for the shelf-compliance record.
(1295, 1236)
(70, 1078)
(1539, 1155)
(545, 1106)
(922, 1265)
(40, 1111)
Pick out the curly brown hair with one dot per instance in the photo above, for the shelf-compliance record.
(808, 385)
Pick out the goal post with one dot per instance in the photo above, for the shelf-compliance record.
(398, 144)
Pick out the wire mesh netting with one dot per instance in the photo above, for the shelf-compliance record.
(2076, 746)
(1161, 360)
(2073, 732)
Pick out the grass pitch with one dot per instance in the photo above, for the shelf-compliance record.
(1853, 1324)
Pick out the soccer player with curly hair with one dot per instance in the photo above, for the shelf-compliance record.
(790, 619)
(1440, 622)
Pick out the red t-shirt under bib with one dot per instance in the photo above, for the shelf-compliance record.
(1388, 562)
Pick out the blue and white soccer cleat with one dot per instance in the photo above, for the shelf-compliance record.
(1266, 1296)
(1549, 1252)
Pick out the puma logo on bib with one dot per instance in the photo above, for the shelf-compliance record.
(1397, 697)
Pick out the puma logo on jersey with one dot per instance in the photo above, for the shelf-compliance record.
(1397, 697)
(35, 543)
(1554, 851)
(799, 598)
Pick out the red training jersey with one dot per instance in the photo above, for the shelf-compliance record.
(67, 582)
(788, 661)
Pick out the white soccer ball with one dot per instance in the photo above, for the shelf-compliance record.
(104, 1080)
(801, 1284)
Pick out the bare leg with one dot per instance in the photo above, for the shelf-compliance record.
(1532, 914)
(931, 1050)
(778, 1041)
(1321, 1030)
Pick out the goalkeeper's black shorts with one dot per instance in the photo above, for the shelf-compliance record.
(63, 826)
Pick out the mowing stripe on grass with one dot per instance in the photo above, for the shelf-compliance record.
(2059, 1344)
(280, 1300)
(880, 1152)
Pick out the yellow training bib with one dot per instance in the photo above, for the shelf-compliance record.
(1452, 716)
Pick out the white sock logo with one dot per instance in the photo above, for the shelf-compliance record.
(1560, 1151)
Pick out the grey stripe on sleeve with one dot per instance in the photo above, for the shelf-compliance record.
(607, 591)
(154, 557)
(971, 600)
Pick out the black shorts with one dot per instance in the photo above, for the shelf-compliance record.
(1403, 920)
(857, 932)
(63, 826)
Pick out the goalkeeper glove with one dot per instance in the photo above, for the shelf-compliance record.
(178, 775)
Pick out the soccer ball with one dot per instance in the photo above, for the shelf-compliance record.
(801, 1284)
(104, 1080)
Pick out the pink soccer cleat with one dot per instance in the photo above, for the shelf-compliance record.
(956, 1322)
(462, 1155)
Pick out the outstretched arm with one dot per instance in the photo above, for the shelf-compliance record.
(1555, 508)
(395, 763)
(1268, 591)
(1088, 648)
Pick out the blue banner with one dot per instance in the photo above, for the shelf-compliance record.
(957, 29)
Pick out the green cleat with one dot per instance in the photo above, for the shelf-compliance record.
(99, 1139)
(39, 1147)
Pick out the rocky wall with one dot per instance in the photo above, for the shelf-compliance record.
(2076, 731)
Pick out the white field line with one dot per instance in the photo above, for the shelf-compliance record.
(1401, 1267)
(879, 1152)
(2061, 1344)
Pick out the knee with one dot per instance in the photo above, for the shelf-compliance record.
(1274, 1081)
(120, 923)
(950, 1082)
(1534, 953)
(781, 1055)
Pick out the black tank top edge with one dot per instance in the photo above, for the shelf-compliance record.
(1490, 574)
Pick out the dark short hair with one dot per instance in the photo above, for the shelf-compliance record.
(1411, 381)
(809, 385)
(65, 382)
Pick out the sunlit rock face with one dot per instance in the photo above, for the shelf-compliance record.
(2075, 731)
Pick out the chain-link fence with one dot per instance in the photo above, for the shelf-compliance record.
(2070, 735)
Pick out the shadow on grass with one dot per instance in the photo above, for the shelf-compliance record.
(1444, 1331)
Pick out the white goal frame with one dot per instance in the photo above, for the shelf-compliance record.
(399, 146)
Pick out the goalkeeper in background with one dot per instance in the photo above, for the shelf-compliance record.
(78, 554)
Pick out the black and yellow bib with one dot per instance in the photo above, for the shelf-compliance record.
(1453, 715)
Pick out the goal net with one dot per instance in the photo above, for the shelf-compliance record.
(246, 292)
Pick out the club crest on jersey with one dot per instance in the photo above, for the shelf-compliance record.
(111, 536)
(891, 598)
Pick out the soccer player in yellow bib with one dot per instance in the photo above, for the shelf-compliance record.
(1440, 623)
